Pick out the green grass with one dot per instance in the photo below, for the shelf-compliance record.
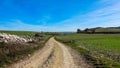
(19, 33)
(103, 46)
(26, 33)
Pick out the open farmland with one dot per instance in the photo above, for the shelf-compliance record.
(88, 50)
(26, 33)
(105, 46)
(19, 33)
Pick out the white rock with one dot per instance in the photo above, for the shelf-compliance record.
(13, 38)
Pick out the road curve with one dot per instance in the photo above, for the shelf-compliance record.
(53, 55)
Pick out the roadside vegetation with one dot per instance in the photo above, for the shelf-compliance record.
(103, 50)
(12, 52)
(19, 33)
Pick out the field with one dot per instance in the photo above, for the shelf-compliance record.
(102, 50)
(105, 46)
(19, 33)
(25, 33)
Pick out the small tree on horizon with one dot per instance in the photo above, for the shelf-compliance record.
(78, 31)
(86, 30)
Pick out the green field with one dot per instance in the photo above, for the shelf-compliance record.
(25, 33)
(19, 33)
(101, 45)
(101, 48)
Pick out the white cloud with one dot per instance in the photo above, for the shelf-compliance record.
(44, 20)
(19, 25)
(107, 16)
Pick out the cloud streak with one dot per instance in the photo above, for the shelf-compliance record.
(19, 25)
(106, 16)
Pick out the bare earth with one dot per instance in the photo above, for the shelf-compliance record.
(53, 55)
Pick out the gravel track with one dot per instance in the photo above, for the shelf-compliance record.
(53, 55)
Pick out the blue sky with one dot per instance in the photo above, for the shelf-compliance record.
(58, 15)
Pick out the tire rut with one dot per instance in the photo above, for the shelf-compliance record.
(53, 55)
(38, 58)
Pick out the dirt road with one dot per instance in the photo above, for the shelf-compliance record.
(53, 55)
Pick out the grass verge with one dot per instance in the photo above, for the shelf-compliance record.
(92, 57)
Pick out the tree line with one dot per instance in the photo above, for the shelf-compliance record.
(94, 31)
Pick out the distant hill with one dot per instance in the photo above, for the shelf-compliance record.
(100, 30)
(115, 27)
(108, 29)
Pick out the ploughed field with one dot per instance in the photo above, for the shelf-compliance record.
(105, 47)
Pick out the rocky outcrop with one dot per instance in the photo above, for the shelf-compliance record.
(8, 38)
